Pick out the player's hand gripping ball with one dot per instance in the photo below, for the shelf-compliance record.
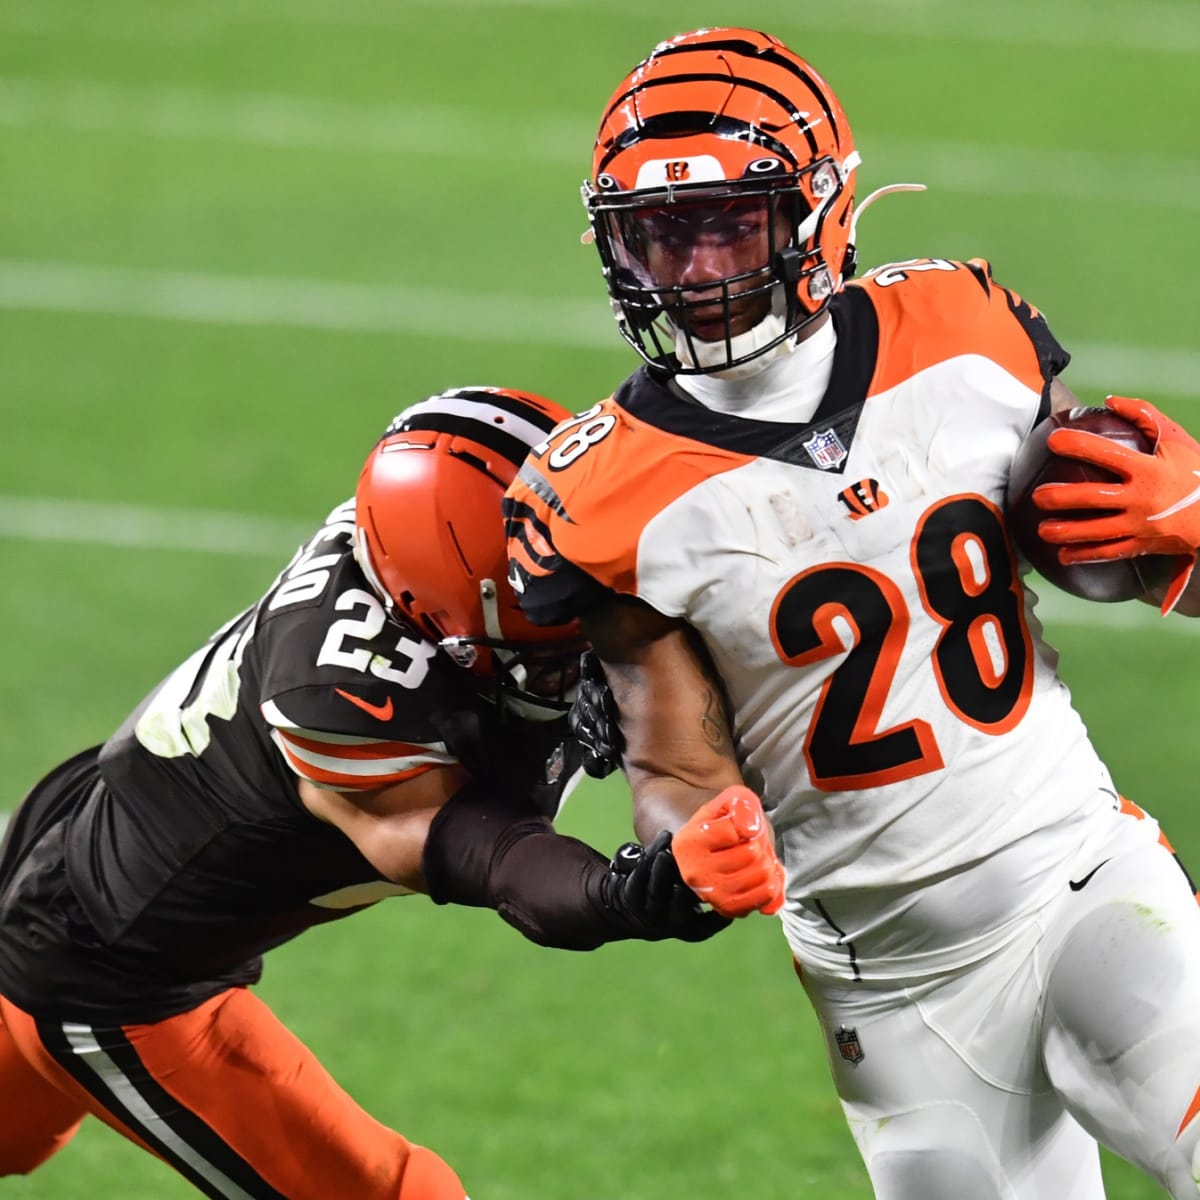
(1036, 464)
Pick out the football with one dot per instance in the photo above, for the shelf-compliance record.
(1035, 464)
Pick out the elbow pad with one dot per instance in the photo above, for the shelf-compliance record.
(488, 851)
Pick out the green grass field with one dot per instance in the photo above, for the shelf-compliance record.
(237, 235)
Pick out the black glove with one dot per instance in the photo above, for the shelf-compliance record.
(644, 889)
(593, 720)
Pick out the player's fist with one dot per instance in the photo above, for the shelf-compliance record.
(1152, 506)
(726, 855)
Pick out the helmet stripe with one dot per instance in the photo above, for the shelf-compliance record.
(760, 54)
(677, 124)
(743, 49)
(511, 402)
(470, 426)
(491, 411)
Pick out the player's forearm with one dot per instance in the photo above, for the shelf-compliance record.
(663, 802)
(678, 754)
(551, 888)
(484, 851)
(678, 751)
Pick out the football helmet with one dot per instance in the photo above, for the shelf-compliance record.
(430, 540)
(721, 200)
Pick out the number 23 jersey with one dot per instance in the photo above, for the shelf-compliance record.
(852, 580)
(139, 881)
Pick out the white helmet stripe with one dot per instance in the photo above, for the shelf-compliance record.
(476, 408)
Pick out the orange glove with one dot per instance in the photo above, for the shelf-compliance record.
(726, 855)
(1153, 507)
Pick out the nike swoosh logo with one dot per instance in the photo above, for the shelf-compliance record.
(1077, 885)
(1186, 502)
(381, 712)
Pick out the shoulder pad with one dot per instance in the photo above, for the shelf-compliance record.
(934, 309)
(583, 498)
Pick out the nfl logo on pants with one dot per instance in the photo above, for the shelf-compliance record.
(849, 1046)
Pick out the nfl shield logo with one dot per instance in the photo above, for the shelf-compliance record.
(849, 1046)
(825, 449)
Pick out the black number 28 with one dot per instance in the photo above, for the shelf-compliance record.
(983, 661)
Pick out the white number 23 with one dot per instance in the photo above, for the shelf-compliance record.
(334, 650)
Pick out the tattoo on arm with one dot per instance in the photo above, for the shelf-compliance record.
(671, 701)
(713, 722)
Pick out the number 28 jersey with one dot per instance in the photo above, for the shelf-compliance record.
(892, 698)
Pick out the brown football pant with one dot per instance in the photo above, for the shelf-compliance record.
(224, 1093)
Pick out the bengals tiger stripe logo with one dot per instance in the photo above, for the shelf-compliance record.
(863, 498)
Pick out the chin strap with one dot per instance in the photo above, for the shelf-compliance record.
(883, 191)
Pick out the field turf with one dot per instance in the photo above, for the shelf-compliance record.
(237, 235)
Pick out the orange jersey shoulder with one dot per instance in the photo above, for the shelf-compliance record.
(583, 498)
(931, 310)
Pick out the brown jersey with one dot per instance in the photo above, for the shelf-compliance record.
(138, 879)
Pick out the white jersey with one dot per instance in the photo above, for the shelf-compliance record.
(892, 698)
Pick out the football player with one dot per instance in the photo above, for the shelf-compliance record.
(784, 537)
(382, 722)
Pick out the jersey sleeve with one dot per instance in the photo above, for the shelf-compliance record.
(350, 699)
(934, 309)
(1052, 358)
(577, 510)
(372, 758)
(551, 589)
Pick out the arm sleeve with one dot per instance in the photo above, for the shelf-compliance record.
(487, 852)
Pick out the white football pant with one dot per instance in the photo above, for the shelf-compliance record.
(996, 1082)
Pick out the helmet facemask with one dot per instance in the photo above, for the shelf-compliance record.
(725, 112)
(532, 681)
(535, 681)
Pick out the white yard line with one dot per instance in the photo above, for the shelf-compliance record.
(48, 519)
(439, 313)
(266, 119)
(305, 304)
(288, 120)
(201, 531)
(1157, 28)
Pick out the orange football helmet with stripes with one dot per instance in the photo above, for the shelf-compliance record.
(721, 138)
(430, 537)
